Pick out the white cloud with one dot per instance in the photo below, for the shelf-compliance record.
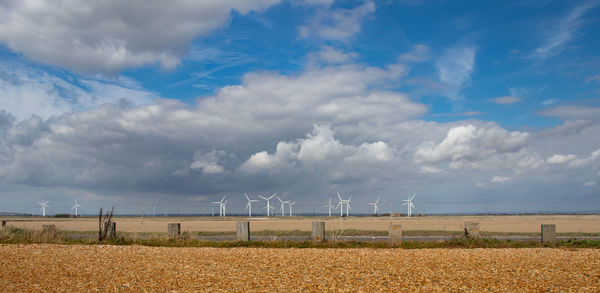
(320, 148)
(500, 179)
(454, 69)
(339, 24)
(559, 35)
(573, 160)
(560, 159)
(208, 162)
(25, 92)
(505, 100)
(108, 36)
(466, 144)
(590, 183)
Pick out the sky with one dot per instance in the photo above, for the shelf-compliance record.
(475, 106)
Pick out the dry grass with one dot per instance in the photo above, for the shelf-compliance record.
(51, 267)
(504, 224)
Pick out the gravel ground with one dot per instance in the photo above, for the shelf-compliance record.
(162, 269)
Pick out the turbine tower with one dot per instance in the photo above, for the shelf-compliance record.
(342, 203)
(44, 204)
(221, 206)
(249, 205)
(282, 205)
(291, 204)
(409, 204)
(330, 206)
(75, 206)
(269, 207)
(374, 204)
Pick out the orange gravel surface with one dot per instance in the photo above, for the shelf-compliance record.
(75, 268)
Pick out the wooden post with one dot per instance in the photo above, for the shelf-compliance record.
(471, 229)
(112, 230)
(318, 231)
(548, 233)
(395, 234)
(173, 229)
(243, 231)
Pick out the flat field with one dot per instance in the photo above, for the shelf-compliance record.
(47, 267)
(504, 224)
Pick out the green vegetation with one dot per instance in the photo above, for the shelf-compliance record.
(13, 235)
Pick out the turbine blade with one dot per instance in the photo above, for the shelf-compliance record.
(246, 196)
(339, 196)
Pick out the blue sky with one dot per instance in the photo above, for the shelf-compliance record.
(474, 105)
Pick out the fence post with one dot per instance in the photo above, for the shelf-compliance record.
(112, 230)
(173, 229)
(243, 231)
(548, 233)
(471, 229)
(318, 231)
(395, 234)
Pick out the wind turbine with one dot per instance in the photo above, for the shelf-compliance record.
(330, 206)
(409, 204)
(269, 207)
(374, 204)
(44, 204)
(291, 204)
(221, 206)
(224, 206)
(342, 203)
(282, 205)
(75, 206)
(249, 205)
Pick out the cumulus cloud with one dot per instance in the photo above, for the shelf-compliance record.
(560, 159)
(468, 144)
(338, 24)
(573, 161)
(319, 148)
(208, 162)
(454, 69)
(108, 36)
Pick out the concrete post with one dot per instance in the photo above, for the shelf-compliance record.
(48, 229)
(471, 229)
(243, 231)
(395, 234)
(112, 230)
(548, 233)
(3, 223)
(173, 229)
(318, 231)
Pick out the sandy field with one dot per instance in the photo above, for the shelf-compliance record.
(564, 223)
(107, 268)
